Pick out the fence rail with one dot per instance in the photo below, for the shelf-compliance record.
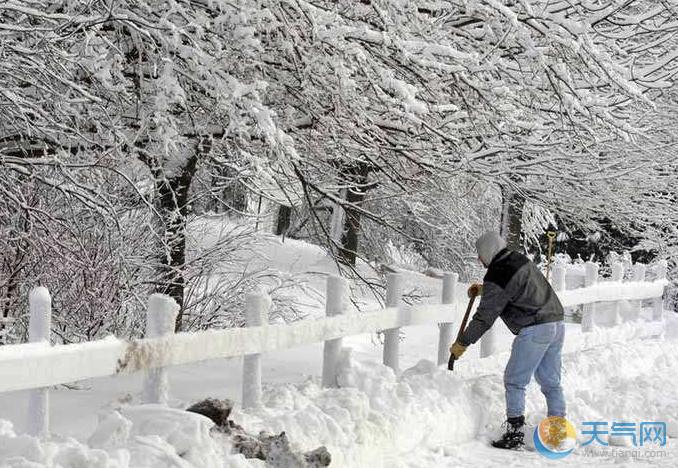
(34, 365)
(37, 365)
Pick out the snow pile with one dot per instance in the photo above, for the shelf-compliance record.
(146, 436)
(19, 451)
(377, 419)
(426, 416)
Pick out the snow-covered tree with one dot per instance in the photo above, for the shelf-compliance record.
(170, 84)
(637, 38)
(517, 94)
(150, 111)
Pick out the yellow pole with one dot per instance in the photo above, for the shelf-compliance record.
(552, 237)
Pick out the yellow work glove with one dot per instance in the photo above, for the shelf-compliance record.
(476, 289)
(457, 350)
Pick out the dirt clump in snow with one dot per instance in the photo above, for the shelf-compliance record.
(217, 410)
(273, 448)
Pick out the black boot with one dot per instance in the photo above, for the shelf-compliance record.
(514, 435)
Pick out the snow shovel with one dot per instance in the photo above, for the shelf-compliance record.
(450, 363)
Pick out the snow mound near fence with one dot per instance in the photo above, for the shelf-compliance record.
(146, 436)
(421, 418)
(377, 420)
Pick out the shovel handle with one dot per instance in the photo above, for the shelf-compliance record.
(450, 363)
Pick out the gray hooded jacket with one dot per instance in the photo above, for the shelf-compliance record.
(513, 289)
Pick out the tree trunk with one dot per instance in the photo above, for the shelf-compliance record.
(15, 267)
(512, 219)
(173, 196)
(283, 223)
(355, 195)
(338, 219)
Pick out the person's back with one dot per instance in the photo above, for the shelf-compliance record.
(531, 299)
(515, 290)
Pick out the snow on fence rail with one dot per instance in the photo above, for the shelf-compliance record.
(37, 365)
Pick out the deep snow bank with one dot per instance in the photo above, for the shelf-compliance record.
(627, 373)
(378, 420)
(145, 436)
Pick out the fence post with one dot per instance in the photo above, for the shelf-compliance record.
(658, 303)
(335, 305)
(558, 278)
(39, 326)
(256, 310)
(589, 310)
(392, 336)
(618, 276)
(160, 321)
(639, 270)
(445, 337)
(487, 342)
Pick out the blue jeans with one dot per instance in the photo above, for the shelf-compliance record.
(536, 350)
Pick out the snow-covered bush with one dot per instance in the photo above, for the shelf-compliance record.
(404, 257)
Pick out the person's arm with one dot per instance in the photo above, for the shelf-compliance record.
(492, 303)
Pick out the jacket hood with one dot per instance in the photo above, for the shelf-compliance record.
(488, 245)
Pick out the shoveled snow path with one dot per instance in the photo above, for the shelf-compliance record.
(637, 384)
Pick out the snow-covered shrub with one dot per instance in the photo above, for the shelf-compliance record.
(404, 256)
(439, 223)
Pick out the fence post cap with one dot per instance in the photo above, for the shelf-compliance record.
(161, 315)
(261, 298)
(257, 305)
(39, 293)
(163, 300)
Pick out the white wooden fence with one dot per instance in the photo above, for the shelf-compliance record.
(37, 365)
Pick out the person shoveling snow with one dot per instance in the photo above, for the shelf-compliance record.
(515, 290)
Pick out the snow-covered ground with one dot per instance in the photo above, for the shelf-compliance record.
(427, 416)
